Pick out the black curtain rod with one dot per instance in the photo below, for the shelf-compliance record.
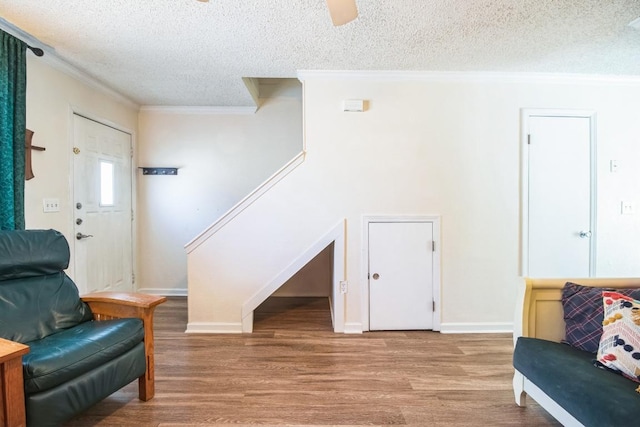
(36, 50)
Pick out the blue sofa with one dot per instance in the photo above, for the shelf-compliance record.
(559, 377)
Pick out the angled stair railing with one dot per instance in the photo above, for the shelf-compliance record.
(245, 202)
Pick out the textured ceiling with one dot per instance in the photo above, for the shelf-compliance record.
(191, 53)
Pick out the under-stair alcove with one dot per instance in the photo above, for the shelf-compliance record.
(302, 303)
(328, 255)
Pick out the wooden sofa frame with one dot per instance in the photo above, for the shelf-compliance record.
(539, 314)
(104, 306)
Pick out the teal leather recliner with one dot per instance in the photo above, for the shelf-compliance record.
(59, 353)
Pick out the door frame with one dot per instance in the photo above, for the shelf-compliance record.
(364, 267)
(525, 115)
(78, 111)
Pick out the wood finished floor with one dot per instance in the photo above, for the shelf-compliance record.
(294, 371)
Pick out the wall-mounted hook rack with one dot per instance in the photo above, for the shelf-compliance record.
(159, 171)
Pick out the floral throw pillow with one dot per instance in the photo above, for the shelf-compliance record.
(619, 348)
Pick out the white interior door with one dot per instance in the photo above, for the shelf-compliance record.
(102, 207)
(400, 275)
(561, 223)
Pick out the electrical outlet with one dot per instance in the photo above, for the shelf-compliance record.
(51, 205)
(613, 166)
(344, 287)
(627, 208)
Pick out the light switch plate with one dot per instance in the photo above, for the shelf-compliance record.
(51, 205)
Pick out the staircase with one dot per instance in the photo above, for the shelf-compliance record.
(246, 255)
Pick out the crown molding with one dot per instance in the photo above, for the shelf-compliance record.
(200, 109)
(61, 65)
(468, 76)
(19, 33)
(52, 59)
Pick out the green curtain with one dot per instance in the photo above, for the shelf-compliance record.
(13, 84)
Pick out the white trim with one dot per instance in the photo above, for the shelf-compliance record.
(477, 328)
(469, 76)
(52, 59)
(247, 323)
(174, 292)
(353, 328)
(336, 235)
(61, 65)
(213, 328)
(212, 110)
(338, 300)
(364, 266)
(245, 203)
(21, 34)
(82, 112)
(525, 115)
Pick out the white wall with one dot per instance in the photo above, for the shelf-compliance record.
(222, 158)
(52, 97)
(439, 145)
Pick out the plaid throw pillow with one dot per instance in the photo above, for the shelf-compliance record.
(584, 313)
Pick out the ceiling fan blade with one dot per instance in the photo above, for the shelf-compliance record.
(342, 11)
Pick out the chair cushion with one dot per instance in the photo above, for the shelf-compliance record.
(34, 307)
(68, 354)
(28, 253)
(53, 407)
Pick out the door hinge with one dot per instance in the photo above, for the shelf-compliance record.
(433, 246)
(133, 278)
(433, 306)
(368, 276)
(131, 152)
(528, 139)
(131, 214)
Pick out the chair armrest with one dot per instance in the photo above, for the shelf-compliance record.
(116, 305)
(11, 349)
(12, 409)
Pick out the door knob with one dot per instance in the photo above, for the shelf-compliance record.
(375, 276)
(585, 234)
(81, 236)
(79, 221)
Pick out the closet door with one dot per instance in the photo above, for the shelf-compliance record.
(400, 275)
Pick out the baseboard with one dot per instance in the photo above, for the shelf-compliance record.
(176, 292)
(353, 328)
(213, 328)
(476, 328)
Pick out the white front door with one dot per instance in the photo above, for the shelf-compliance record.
(102, 207)
(400, 275)
(560, 222)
